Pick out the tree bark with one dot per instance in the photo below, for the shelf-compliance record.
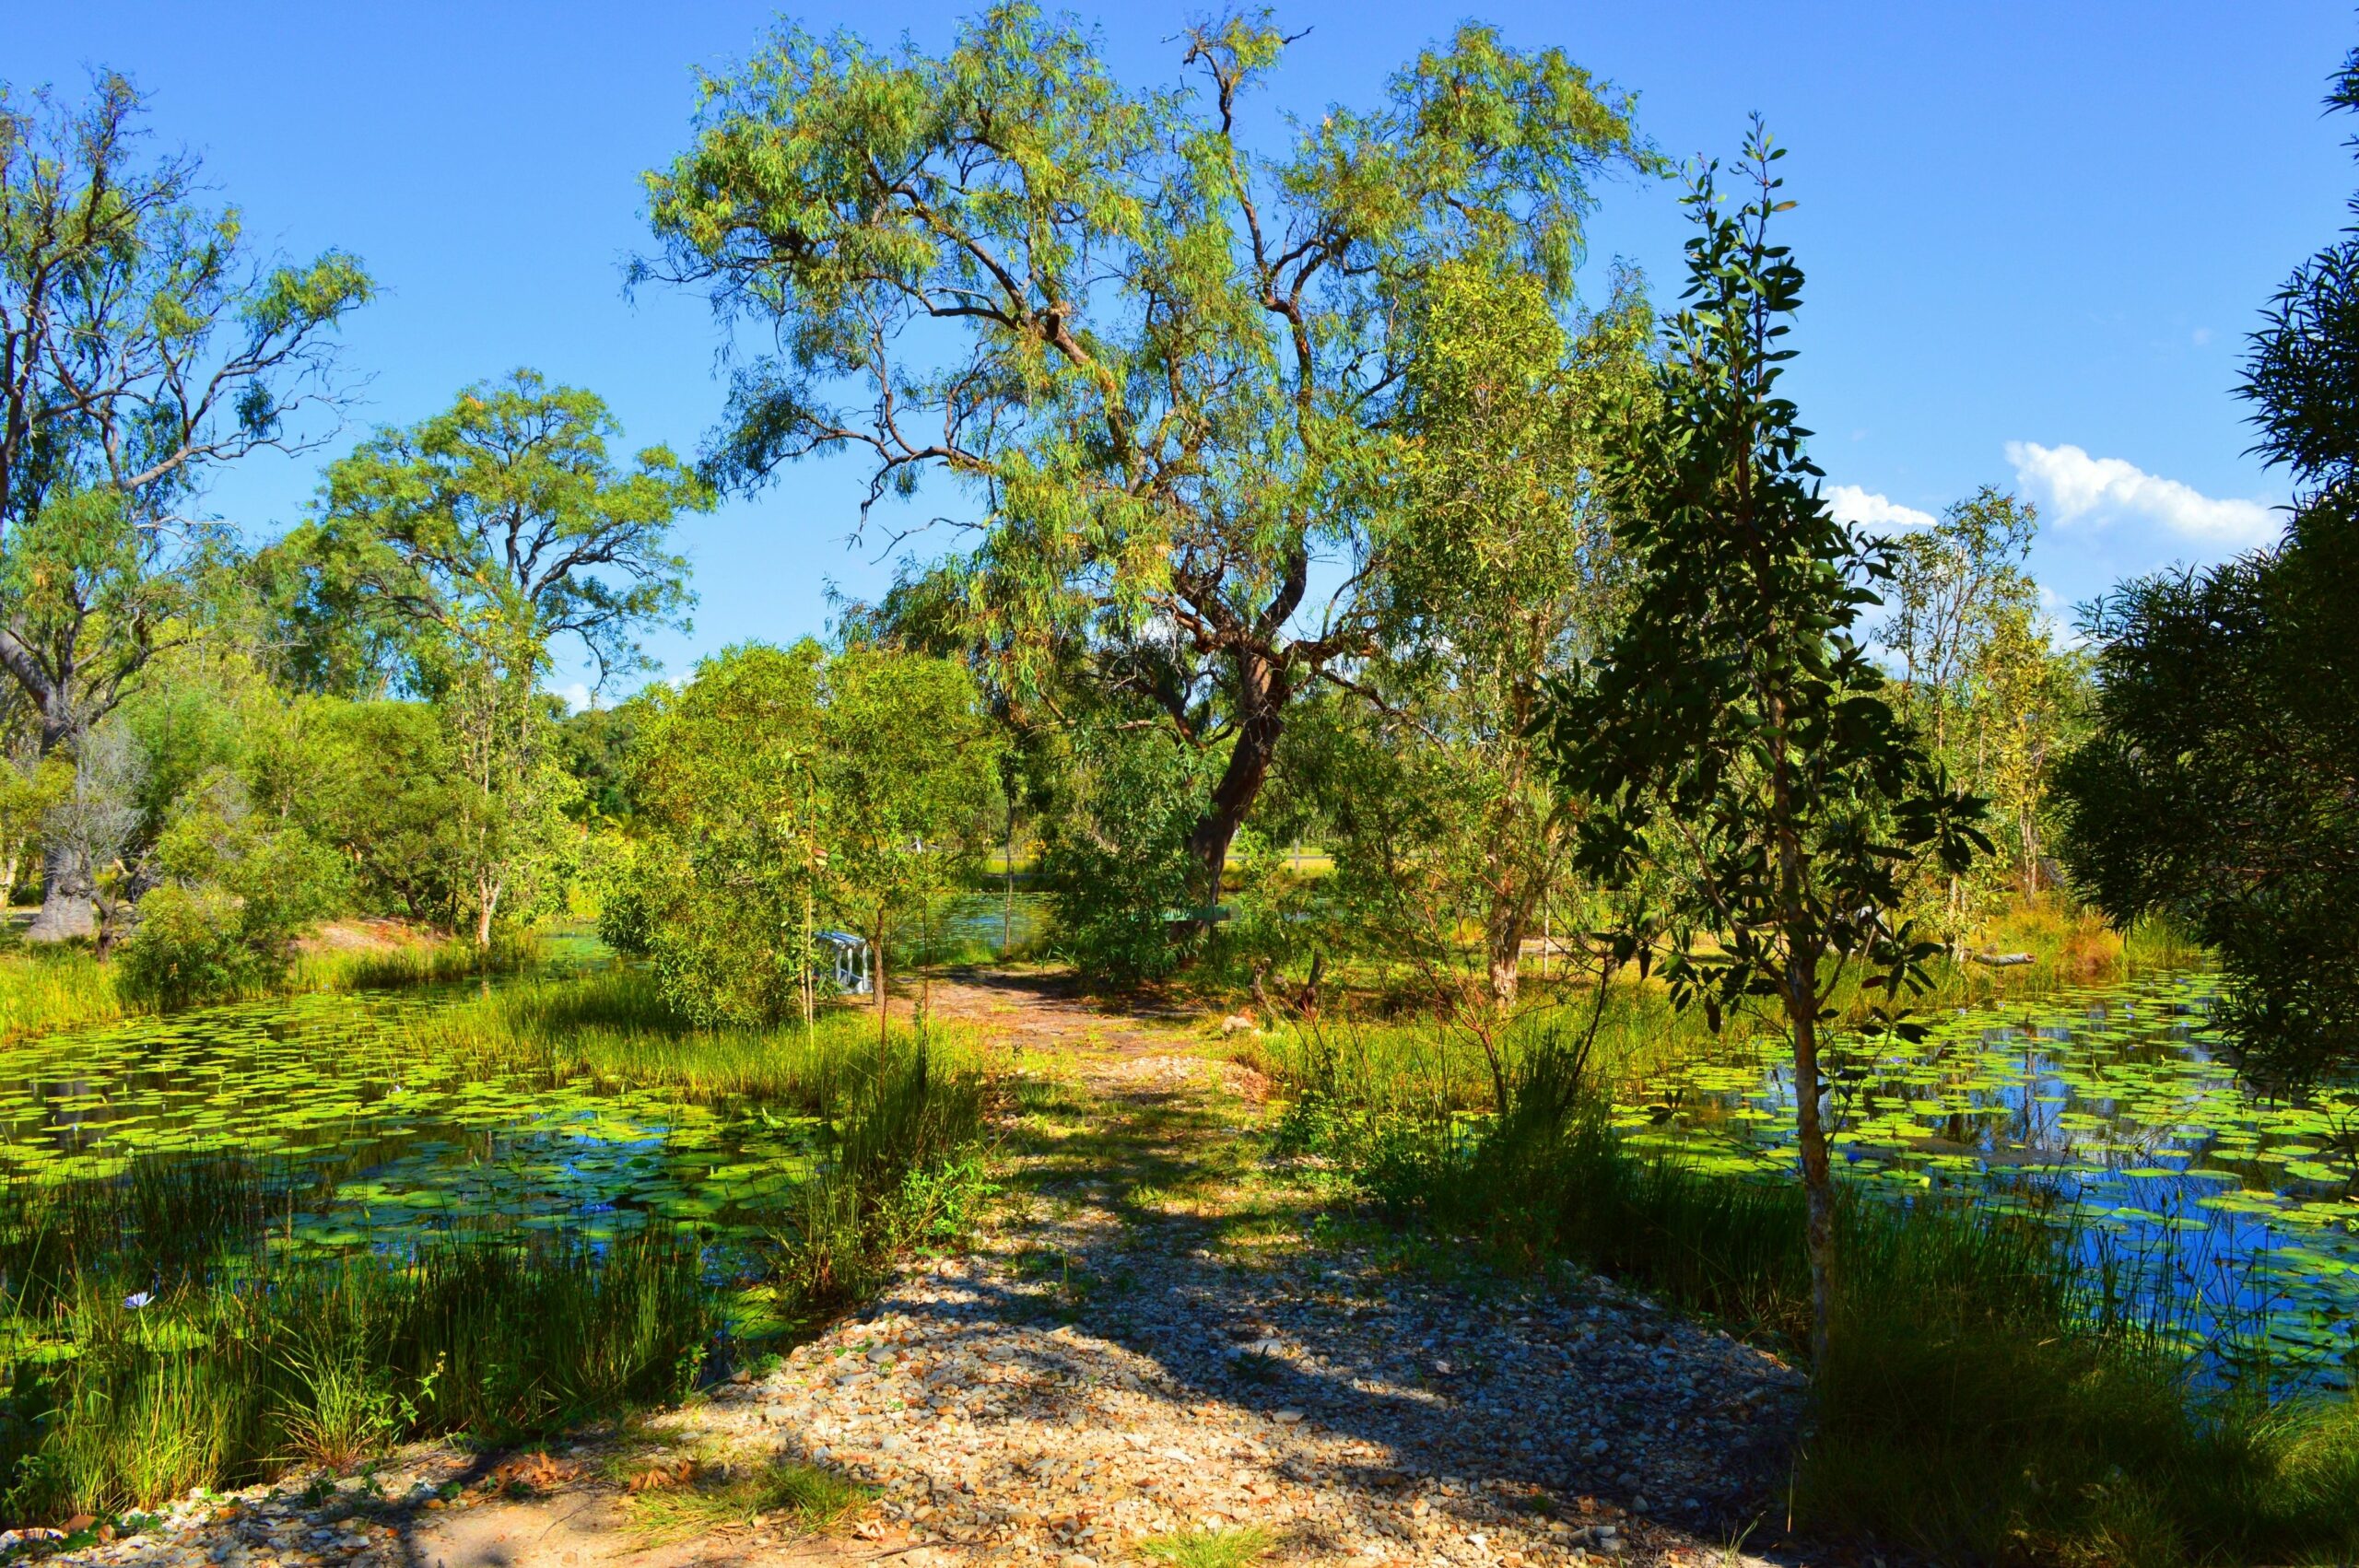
(1801, 1001)
(68, 889)
(1507, 924)
(1818, 1174)
(68, 911)
(1265, 686)
(486, 907)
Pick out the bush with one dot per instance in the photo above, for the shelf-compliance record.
(190, 946)
(1117, 859)
(240, 890)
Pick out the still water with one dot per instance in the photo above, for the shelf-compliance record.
(371, 1132)
(2112, 1106)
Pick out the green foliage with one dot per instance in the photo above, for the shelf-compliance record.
(783, 790)
(214, 1386)
(1502, 572)
(1981, 1401)
(908, 769)
(466, 543)
(725, 792)
(148, 346)
(508, 510)
(1166, 365)
(2216, 791)
(1734, 738)
(595, 746)
(242, 889)
(1116, 852)
(380, 782)
(1994, 701)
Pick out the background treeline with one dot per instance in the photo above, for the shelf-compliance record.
(1284, 544)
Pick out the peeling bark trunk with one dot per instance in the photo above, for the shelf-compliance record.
(487, 907)
(1509, 923)
(68, 910)
(68, 906)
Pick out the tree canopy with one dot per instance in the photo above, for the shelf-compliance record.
(143, 344)
(1163, 366)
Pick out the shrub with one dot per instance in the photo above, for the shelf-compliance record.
(190, 946)
(1116, 859)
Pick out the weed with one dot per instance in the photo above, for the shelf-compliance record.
(1209, 1548)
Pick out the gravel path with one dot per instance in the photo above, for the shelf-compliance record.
(1163, 1333)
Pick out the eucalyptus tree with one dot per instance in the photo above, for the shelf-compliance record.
(1162, 366)
(908, 765)
(1981, 679)
(484, 534)
(1436, 793)
(143, 344)
(2218, 786)
(1734, 743)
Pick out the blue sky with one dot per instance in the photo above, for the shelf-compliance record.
(2035, 234)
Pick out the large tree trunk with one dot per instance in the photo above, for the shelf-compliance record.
(1265, 686)
(68, 911)
(68, 908)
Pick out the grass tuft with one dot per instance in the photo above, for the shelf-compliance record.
(805, 1497)
(1231, 1548)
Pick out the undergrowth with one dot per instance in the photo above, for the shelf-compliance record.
(1983, 1400)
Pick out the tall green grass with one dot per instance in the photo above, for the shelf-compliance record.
(1983, 1400)
(354, 970)
(65, 986)
(122, 1396)
(44, 988)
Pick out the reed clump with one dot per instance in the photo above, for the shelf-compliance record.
(120, 1398)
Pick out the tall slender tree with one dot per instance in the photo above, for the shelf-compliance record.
(485, 533)
(1734, 741)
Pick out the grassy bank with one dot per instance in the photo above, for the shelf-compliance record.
(156, 1338)
(65, 986)
(1983, 1400)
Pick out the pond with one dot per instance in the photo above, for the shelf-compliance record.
(2111, 1106)
(364, 1138)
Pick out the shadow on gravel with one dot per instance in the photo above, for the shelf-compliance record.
(1159, 1240)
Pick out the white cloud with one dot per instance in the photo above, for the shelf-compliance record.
(1866, 509)
(2075, 484)
(577, 697)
